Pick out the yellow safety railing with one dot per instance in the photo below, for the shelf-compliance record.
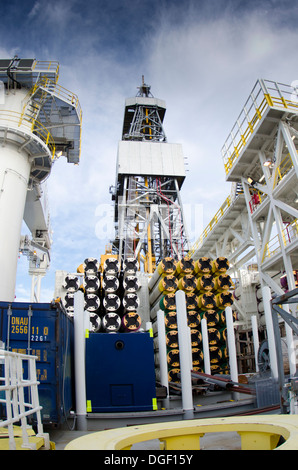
(218, 216)
(265, 93)
(51, 66)
(285, 166)
(16, 121)
(48, 86)
(273, 247)
(266, 432)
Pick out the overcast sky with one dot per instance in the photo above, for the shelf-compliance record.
(202, 57)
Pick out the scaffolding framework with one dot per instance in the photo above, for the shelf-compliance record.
(258, 221)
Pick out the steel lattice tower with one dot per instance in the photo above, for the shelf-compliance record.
(149, 220)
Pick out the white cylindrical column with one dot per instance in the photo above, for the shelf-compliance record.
(206, 352)
(79, 357)
(256, 343)
(231, 344)
(162, 352)
(184, 355)
(14, 177)
(270, 332)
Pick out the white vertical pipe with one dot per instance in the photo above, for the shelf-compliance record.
(255, 334)
(162, 351)
(79, 356)
(184, 354)
(231, 344)
(205, 340)
(270, 332)
(290, 345)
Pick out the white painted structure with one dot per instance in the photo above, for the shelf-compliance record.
(257, 226)
(39, 121)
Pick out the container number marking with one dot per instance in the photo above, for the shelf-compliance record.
(19, 325)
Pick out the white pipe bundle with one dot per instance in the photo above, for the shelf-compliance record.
(131, 283)
(110, 284)
(130, 266)
(91, 302)
(111, 266)
(91, 266)
(111, 322)
(91, 283)
(71, 283)
(111, 302)
(131, 302)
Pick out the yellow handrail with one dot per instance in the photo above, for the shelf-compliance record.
(218, 216)
(259, 100)
(34, 127)
(274, 246)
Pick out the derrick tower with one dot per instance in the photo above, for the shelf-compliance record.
(148, 213)
(39, 121)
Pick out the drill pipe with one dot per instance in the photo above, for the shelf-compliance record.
(185, 266)
(207, 301)
(167, 284)
(203, 266)
(111, 302)
(111, 322)
(91, 266)
(172, 339)
(71, 283)
(131, 283)
(110, 284)
(94, 322)
(205, 283)
(111, 267)
(91, 283)
(131, 321)
(167, 265)
(220, 265)
(131, 302)
(187, 283)
(223, 282)
(91, 302)
(130, 266)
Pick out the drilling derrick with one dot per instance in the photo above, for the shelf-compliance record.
(148, 215)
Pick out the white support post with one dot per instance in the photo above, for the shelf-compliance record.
(184, 355)
(162, 352)
(231, 346)
(255, 339)
(79, 355)
(270, 332)
(206, 352)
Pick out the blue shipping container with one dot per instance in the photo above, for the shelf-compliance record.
(45, 331)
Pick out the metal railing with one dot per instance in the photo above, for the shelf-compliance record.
(214, 221)
(218, 216)
(285, 166)
(265, 94)
(12, 385)
(274, 246)
(16, 121)
(42, 66)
